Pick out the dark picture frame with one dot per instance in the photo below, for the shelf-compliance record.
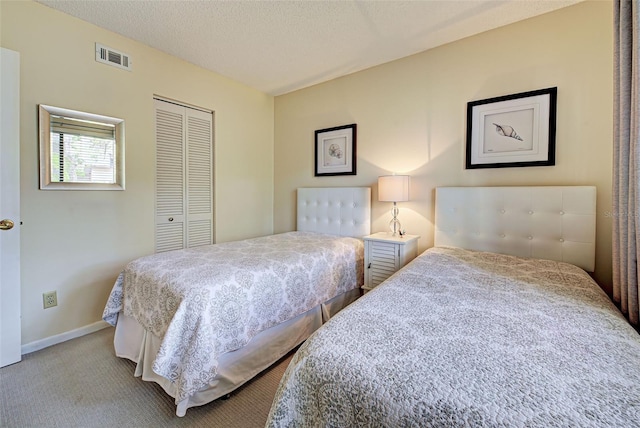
(335, 150)
(515, 130)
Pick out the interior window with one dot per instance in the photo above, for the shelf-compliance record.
(80, 151)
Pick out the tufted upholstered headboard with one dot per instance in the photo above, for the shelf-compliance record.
(546, 222)
(344, 211)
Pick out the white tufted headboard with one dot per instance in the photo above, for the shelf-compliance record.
(344, 211)
(546, 222)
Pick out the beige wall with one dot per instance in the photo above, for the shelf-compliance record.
(411, 117)
(410, 113)
(76, 242)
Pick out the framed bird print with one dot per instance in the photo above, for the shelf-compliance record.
(512, 130)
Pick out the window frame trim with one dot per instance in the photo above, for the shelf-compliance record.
(44, 122)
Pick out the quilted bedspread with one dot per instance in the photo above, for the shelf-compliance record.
(205, 301)
(460, 338)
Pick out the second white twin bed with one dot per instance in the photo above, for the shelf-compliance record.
(461, 337)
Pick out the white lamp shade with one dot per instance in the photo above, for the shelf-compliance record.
(393, 188)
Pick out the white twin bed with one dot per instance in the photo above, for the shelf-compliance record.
(202, 321)
(491, 327)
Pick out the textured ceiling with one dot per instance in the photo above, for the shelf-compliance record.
(281, 46)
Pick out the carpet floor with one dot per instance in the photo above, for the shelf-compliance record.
(81, 383)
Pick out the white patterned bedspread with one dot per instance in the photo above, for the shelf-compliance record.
(209, 300)
(460, 338)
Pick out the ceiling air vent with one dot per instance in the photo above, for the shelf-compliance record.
(113, 57)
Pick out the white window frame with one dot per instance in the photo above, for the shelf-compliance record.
(44, 119)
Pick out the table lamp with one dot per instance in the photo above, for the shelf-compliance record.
(393, 188)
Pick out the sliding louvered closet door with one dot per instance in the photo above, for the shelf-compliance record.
(184, 177)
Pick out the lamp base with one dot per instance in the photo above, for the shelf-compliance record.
(395, 227)
(394, 224)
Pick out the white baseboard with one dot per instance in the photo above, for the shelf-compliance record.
(63, 337)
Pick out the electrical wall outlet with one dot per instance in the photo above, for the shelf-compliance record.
(50, 299)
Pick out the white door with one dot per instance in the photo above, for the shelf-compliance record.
(10, 331)
(184, 177)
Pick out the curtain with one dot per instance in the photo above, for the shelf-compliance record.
(626, 158)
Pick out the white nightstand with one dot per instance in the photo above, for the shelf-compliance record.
(384, 254)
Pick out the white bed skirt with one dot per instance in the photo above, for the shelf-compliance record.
(133, 342)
